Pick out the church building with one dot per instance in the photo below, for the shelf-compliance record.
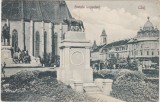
(35, 26)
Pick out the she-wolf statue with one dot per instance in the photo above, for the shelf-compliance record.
(77, 25)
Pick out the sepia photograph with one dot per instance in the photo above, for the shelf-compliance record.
(80, 50)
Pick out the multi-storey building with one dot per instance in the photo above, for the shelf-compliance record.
(143, 48)
(97, 56)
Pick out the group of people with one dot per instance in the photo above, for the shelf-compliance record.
(20, 56)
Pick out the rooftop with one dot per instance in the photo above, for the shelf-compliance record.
(37, 10)
(117, 43)
(97, 48)
(103, 33)
(148, 25)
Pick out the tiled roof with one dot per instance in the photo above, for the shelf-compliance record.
(117, 43)
(98, 48)
(47, 10)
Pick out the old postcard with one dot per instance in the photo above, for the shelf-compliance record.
(80, 50)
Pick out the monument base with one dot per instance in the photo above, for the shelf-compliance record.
(6, 55)
(75, 59)
(7, 58)
(68, 76)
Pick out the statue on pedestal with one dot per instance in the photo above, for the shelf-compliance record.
(5, 34)
(74, 25)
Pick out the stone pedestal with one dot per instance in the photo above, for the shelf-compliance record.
(99, 83)
(104, 84)
(107, 86)
(77, 85)
(6, 55)
(75, 59)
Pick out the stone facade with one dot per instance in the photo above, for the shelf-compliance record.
(38, 25)
(97, 55)
(75, 59)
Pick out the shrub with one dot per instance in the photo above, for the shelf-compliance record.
(47, 73)
(106, 73)
(131, 87)
(22, 79)
(41, 86)
(151, 73)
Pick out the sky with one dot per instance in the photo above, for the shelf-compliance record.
(121, 19)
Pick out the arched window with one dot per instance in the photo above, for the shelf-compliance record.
(147, 52)
(141, 53)
(15, 40)
(45, 42)
(37, 44)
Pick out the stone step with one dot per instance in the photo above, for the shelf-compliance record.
(89, 84)
(93, 93)
(91, 88)
(94, 90)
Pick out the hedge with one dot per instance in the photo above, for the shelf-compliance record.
(39, 86)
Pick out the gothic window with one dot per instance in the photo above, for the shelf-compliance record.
(55, 42)
(152, 53)
(37, 44)
(45, 42)
(15, 40)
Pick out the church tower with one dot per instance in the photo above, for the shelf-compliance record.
(103, 38)
(94, 45)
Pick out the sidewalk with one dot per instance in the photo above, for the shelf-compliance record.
(11, 71)
(104, 98)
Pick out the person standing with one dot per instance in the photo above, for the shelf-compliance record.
(140, 67)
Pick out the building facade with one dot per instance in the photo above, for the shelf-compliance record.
(34, 26)
(144, 48)
(118, 49)
(97, 55)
